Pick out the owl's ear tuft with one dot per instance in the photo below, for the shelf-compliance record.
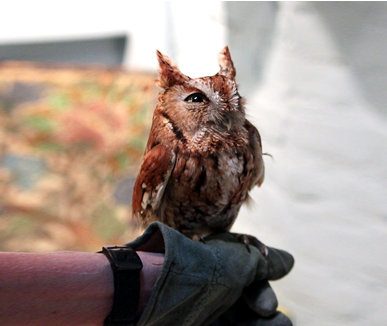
(227, 68)
(169, 74)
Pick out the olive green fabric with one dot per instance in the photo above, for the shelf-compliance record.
(200, 281)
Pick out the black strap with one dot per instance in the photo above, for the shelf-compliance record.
(126, 265)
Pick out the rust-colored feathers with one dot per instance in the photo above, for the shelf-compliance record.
(202, 155)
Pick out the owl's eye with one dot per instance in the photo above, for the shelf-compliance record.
(197, 98)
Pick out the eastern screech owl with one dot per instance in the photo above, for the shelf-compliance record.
(202, 156)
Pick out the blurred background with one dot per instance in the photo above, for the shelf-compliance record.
(76, 100)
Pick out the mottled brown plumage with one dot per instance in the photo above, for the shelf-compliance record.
(203, 155)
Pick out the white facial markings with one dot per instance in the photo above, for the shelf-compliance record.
(214, 96)
(225, 109)
(211, 94)
(234, 96)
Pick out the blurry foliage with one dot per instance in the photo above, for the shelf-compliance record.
(68, 135)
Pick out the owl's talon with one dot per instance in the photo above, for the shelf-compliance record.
(244, 239)
(198, 237)
(251, 240)
(194, 236)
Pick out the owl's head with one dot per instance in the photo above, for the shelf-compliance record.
(194, 104)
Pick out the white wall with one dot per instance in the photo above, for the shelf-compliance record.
(317, 105)
(189, 34)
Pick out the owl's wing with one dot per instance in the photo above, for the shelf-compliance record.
(156, 168)
(256, 148)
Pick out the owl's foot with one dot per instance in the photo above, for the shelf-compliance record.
(198, 237)
(194, 236)
(251, 240)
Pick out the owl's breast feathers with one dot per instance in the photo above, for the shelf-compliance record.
(197, 181)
